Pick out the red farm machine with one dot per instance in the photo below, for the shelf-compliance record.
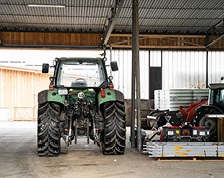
(196, 131)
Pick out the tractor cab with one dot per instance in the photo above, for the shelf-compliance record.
(216, 95)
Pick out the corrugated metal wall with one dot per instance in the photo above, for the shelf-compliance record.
(122, 77)
(215, 66)
(155, 58)
(184, 69)
(180, 69)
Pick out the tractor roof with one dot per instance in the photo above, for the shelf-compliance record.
(216, 85)
(80, 58)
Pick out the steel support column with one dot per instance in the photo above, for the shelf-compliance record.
(135, 75)
(206, 75)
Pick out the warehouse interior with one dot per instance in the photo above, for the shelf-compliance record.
(160, 46)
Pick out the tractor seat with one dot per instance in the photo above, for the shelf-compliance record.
(80, 82)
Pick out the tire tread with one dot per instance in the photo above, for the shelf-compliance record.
(48, 136)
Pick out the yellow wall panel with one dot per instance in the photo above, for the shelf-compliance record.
(19, 88)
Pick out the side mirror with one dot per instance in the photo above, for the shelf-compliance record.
(45, 68)
(114, 65)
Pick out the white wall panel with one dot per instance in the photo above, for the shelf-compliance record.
(155, 58)
(123, 77)
(215, 66)
(183, 69)
(144, 74)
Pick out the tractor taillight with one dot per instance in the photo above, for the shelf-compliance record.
(111, 87)
(51, 87)
(102, 92)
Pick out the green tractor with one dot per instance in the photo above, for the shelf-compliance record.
(81, 101)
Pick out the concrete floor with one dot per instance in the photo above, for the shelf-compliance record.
(18, 158)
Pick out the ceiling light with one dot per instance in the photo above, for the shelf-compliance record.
(46, 5)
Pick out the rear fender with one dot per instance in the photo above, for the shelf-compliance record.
(110, 95)
(50, 96)
(203, 108)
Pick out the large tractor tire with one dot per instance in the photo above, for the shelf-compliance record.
(48, 132)
(210, 123)
(114, 135)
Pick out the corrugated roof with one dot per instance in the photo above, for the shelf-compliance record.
(160, 16)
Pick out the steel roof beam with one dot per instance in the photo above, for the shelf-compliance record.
(215, 26)
(116, 9)
(213, 30)
(215, 41)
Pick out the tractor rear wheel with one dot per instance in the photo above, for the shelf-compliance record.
(48, 132)
(114, 135)
(202, 120)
